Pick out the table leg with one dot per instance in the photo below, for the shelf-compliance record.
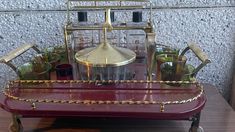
(15, 125)
(195, 124)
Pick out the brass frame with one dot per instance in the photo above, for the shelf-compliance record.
(149, 29)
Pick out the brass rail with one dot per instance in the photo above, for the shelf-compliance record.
(104, 7)
(33, 102)
(123, 26)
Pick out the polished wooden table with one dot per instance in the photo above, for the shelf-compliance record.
(217, 116)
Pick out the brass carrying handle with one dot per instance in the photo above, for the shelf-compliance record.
(15, 53)
(197, 51)
(200, 55)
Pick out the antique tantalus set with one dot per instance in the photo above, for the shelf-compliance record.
(108, 69)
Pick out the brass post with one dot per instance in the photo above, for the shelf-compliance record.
(66, 42)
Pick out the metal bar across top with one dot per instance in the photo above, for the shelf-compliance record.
(111, 0)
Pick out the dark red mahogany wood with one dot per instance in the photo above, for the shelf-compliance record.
(112, 92)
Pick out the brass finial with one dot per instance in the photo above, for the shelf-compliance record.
(108, 23)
